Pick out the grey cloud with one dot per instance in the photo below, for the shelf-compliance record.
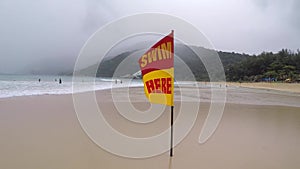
(46, 36)
(97, 14)
(43, 36)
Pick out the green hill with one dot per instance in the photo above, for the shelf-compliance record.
(127, 62)
(238, 67)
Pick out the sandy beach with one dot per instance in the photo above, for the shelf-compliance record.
(259, 129)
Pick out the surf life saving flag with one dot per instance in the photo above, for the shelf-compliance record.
(157, 68)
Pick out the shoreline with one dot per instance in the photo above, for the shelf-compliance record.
(284, 87)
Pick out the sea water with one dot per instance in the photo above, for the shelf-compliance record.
(26, 85)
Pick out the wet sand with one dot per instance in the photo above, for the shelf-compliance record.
(259, 129)
(288, 87)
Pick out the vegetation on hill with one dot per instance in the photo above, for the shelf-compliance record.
(281, 66)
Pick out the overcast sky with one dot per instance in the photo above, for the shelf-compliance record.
(47, 35)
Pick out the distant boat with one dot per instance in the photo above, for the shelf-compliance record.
(137, 75)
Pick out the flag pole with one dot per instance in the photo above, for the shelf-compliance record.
(171, 148)
(172, 108)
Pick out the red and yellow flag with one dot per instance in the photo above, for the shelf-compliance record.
(157, 67)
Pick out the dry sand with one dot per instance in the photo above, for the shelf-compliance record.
(43, 132)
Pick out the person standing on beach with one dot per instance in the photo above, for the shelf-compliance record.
(60, 81)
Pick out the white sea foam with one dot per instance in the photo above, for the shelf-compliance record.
(20, 85)
(11, 86)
